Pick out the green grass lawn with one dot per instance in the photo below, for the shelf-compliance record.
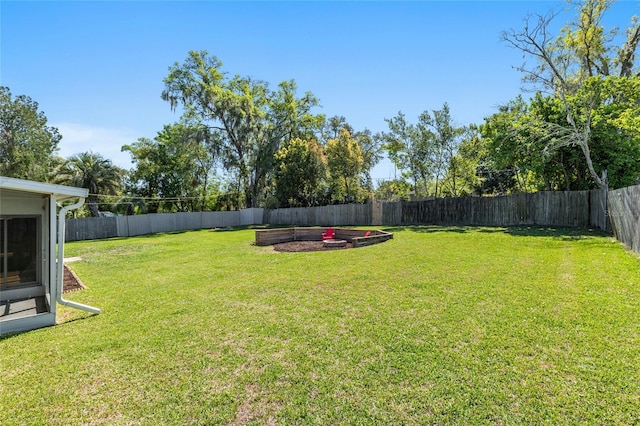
(438, 325)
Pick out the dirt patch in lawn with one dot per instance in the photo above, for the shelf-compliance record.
(298, 246)
(71, 281)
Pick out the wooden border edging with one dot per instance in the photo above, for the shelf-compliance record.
(375, 238)
(267, 237)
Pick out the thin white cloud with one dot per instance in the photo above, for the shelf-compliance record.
(77, 138)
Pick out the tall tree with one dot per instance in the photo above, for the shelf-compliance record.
(517, 148)
(345, 164)
(409, 148)
(371, 148)
(92, 171)
(425, 151)
(520, 135)
(615, 123)
(177, 166)
(471, 155)
(514, 151)
(447, 137)
(564, 63)
(300, 171)
(27, 144)
(371, 145)
(252, 120)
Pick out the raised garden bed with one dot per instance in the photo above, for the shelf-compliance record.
(352, 237)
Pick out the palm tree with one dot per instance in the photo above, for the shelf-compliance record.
(92, 171)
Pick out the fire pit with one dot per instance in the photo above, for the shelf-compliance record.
(312, 238)
(334, 243)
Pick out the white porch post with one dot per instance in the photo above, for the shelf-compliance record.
(51, 255)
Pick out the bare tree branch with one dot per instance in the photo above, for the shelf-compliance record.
(554, 64)
(626, 54)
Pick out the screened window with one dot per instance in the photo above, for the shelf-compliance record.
(18, 251)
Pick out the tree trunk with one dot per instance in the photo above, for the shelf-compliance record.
(93, 206)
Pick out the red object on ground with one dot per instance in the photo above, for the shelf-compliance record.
(366, 234)
(328, 235)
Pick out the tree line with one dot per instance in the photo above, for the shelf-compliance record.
(241, 143)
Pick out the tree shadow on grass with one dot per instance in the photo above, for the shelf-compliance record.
(430, 229)
(565, 233)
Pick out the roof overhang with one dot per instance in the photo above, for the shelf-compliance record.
(60, 192)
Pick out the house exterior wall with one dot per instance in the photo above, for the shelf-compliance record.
(23, 198)
(23, 204)
(16, 204)
(27, 323)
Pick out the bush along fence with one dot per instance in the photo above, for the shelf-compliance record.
(617, 211)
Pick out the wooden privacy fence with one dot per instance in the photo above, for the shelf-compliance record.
(540, 208)
(598, 213)
(576, 208)
(338, 215)
(91, 228)
(624, 213)
(549, 208)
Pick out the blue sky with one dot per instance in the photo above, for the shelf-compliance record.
(97, 68)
